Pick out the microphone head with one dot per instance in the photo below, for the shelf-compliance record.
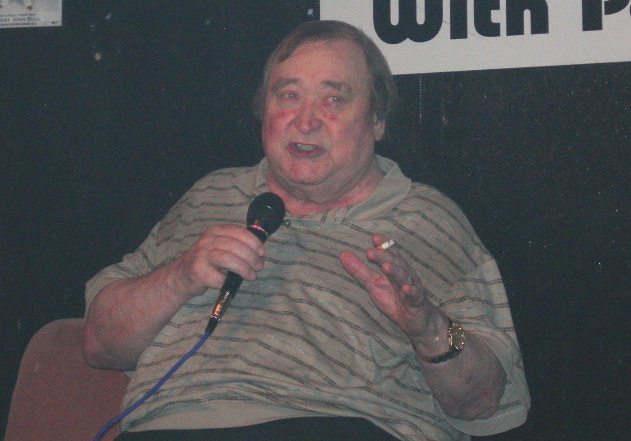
(267, 212)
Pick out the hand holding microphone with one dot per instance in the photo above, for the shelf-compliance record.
(265, 215)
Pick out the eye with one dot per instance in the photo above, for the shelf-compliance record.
(288, 96)
(336, 102)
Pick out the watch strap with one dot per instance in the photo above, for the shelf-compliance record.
(454, 332)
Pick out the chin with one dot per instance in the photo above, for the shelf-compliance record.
(306, 173)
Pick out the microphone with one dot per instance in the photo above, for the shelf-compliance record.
(265, 214)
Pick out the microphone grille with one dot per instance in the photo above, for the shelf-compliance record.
(267, 211)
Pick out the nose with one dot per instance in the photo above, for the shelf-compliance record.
(308, 118)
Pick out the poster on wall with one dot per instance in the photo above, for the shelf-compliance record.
(29, 13)
(422, 36)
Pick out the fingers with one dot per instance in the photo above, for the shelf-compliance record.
(394, 287)
(356, 268)
(386, 256)
(403, 279)
(219, 250)
(232, 248)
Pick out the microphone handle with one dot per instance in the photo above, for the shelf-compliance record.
(230, 287)
(226, 294)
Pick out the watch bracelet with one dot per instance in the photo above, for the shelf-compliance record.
(453, 350)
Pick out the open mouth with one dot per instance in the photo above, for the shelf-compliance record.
(304, 147)
(307, 151)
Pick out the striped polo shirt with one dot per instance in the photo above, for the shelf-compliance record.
(304, 338)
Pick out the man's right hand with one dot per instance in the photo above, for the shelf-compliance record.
(219, 250)
(127, 314)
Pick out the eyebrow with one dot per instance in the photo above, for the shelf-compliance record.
(340, 86)
(282, 83)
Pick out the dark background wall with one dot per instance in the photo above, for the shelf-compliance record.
(107, 120)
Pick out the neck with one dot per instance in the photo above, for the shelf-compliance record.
(304, 200)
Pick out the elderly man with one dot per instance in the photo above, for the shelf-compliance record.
(332, 335)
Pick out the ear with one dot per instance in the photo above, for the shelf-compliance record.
(379, 129)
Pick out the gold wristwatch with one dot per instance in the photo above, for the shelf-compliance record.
(455, 337)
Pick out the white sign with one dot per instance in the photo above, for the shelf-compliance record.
(29, 13)
(420, 36)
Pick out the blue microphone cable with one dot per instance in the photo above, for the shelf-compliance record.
(212, 324)
(264, 217)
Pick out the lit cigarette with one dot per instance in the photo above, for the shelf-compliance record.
(387, 244)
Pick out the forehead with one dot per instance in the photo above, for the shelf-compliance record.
(325, 62)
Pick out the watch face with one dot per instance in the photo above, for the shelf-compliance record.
(457, 335)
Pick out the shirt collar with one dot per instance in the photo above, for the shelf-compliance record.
(393, 188)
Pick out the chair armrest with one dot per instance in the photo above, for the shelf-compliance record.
(58, 396)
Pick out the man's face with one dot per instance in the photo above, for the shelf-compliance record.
(318, 129)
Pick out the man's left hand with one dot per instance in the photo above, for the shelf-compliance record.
(395, 289)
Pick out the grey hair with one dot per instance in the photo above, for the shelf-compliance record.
(383, 91)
